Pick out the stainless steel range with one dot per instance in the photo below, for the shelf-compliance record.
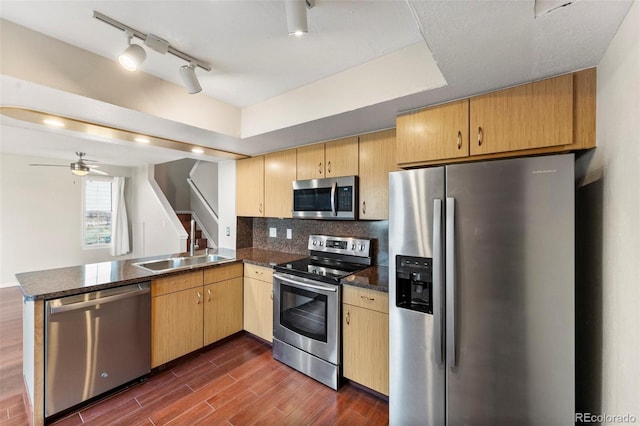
(307, 302)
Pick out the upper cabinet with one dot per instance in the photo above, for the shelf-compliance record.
(553, 115)
(279, 172)
(434, 133)
(534, 115)
(250, 187)
(330, 159)
(377, 158)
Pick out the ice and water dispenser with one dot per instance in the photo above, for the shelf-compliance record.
(414, 283)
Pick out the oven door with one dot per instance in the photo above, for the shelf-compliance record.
(306, 315)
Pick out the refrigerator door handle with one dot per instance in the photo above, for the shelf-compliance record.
(437, 282)
(451, 281)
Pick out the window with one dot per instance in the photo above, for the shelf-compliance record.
(97, 209)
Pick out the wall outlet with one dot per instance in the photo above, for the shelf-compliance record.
(227, 231)
(273, 233)
(288, 234)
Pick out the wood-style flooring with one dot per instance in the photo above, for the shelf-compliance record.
(234, 383)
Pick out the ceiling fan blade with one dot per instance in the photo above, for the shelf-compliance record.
(50, 165)
(99, 172)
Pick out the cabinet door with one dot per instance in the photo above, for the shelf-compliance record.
(279, 172)
(222, 309)
(377, 156)
(534, 115)
(365, 347)
(258, 308)
(310, 162)
(341, 157)
(250, 187)
(176, 325)
(436, 133)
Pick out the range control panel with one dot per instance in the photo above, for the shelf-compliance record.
(340, 245)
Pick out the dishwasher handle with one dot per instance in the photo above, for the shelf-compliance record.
(99, 301)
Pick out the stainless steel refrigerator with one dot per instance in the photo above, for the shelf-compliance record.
(481, 293)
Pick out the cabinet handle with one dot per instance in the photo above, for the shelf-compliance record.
(208, 295)
(348, 317)
(271, 295)
(320, 168)
(199, 299)
(480, 136)
(260, 208)
(370, 299)
(364, 207)
(459, 139)
(329, 167)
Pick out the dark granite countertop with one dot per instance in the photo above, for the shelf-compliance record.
(60, 282)
(373, 278)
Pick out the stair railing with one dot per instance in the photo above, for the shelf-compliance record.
(204, 214)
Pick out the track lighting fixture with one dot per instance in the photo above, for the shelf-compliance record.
(135, 54)
(189, 78)
(297, 16)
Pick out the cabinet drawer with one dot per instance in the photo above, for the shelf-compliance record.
(222, 273)
(176, 283)
(258, 272)
(365, 298)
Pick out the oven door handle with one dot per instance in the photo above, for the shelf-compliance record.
(302, 282)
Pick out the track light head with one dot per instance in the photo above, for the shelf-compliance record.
(297, 16)
(132, 57)
(188, 74)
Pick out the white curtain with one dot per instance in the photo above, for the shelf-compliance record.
(120, 231)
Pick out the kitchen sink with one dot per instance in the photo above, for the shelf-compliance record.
(163, 265)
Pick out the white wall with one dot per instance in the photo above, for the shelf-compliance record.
(205, 175)
(617, 160)
(41, 217)
(227, 204)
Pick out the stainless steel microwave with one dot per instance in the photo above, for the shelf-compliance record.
(331, 198)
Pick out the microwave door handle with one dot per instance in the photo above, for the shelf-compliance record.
(334, 190)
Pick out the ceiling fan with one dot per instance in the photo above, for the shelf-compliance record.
(80, 167)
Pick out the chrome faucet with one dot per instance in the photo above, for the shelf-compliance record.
(192, 245)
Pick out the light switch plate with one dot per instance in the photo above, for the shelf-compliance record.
(288, 234)
(228, 231)
(273, 233)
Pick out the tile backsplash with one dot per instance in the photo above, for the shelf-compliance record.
(254, 232)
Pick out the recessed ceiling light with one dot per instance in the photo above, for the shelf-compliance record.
(197, 150)
(53, 122)
(141, 139)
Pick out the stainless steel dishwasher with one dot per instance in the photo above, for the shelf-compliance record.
(95, 342)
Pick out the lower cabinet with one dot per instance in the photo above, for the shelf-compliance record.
(365, 337)
(176, 317)
(194, 309)
(222, 302)
(258, 301)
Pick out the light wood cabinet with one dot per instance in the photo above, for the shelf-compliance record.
(365, 338)
(279, 172)
(547, 116)
(434, 133)
(258, 301)
(222, 302)
(534, 115)
(377, 157)
(250, 187)
(176, 317)
(329, 159)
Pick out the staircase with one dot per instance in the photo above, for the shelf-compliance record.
(185, 219)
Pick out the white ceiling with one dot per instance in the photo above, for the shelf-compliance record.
(478, 45)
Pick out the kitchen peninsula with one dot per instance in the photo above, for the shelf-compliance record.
(40, 286)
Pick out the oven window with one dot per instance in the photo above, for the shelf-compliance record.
(304, 312)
